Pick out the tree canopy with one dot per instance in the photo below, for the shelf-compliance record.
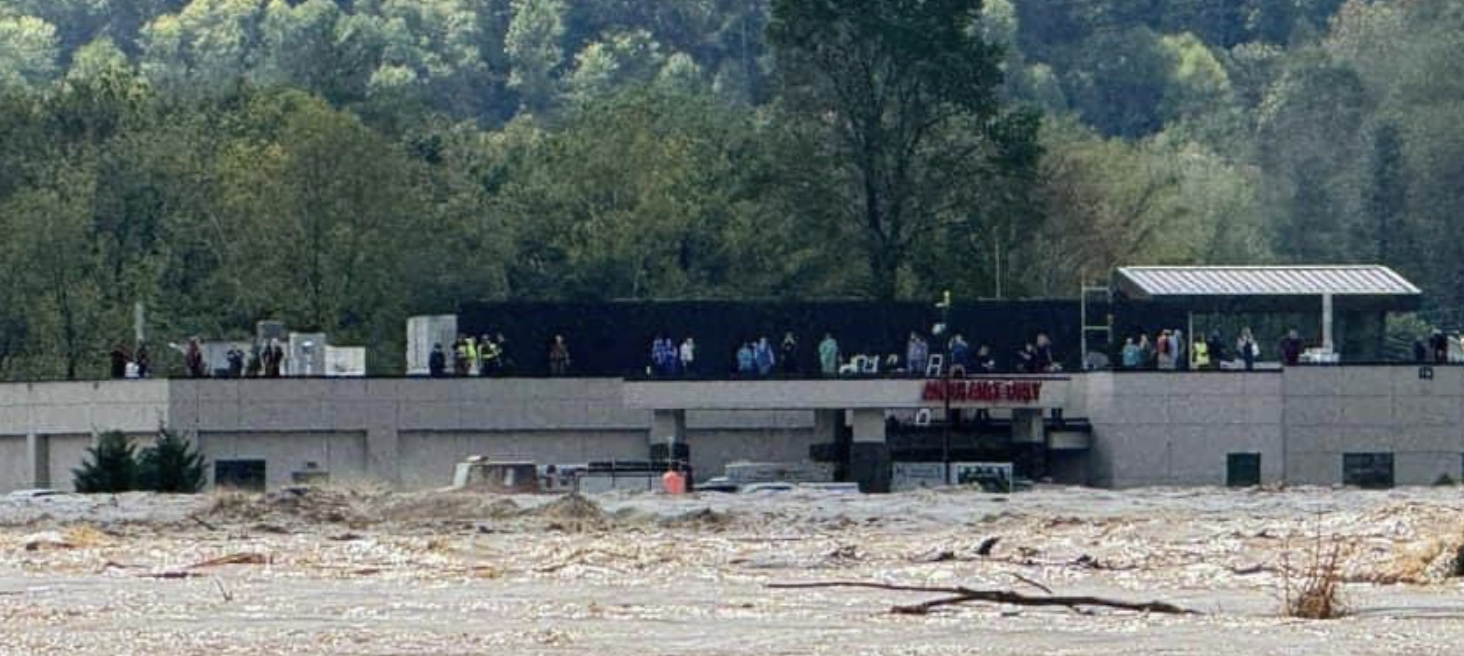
(342, 164)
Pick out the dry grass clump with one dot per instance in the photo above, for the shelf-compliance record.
(1314, 592)
(85, 536)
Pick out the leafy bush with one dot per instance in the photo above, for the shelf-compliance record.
(170, 465)
(110, 466)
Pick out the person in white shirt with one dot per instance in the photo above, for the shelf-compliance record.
(688, 356)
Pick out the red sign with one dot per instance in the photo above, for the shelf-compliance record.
(983, 391)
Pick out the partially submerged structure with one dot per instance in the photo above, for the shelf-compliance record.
(1365, 424)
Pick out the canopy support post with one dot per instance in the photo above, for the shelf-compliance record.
(1327, 344)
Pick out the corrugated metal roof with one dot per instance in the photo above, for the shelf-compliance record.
(1151, 282)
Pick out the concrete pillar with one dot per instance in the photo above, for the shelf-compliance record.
(38, 460)
(383, 454)
(1028, 427)
(826, 425)
(869, 456)
(667, 439)
(1327, 342)
(668, 426)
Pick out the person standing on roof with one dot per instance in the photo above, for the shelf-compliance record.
(763, 353)
(1248, 350)
(1291, 349)
(1438, 344)
(917, 355)
(437, 362)
(828, 356)
(559, 356)
(1131, 354)
(1201, 356)
(746, 361)
(687, 356)
(1164, 350)
(788, 354)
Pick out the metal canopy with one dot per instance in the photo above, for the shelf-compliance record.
(1270, 287)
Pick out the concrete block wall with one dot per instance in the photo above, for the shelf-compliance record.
(15, 471)
(341, 454)
(1179, 428)
(1333, 411)
(63, 454)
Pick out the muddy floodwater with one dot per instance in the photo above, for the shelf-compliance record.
(367, 572)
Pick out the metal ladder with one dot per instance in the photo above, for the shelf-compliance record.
(1105, 328)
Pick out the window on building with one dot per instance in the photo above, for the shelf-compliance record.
(245, 475)
(1243, 469)
(1373, 471)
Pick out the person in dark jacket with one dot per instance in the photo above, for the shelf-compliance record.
(1291, 349)
(1025, 361)
(236, 362)
(1420, 351)
(119, 362)
(559, 356)
(1438, 344)
(142, 360)
(437, 362)
(193, 358)
(1043, 362)
(1216, 347)
(788, 354)
(274, 359)
(985, 361)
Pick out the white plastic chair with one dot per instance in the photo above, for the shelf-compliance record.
(935, 366)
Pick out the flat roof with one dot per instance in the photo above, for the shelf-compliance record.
(1272, 287)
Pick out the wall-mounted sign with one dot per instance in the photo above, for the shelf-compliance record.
(983, 391)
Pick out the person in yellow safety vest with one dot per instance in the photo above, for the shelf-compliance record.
(474, 361)
(1201, 355)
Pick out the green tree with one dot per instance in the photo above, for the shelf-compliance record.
(620, 60)
(903, 98)
(1118, 81)
(534, 50)
(686, 220)
(1387, 195)
(170, 465)
(29, 50)
(110, 466)
(50, 244)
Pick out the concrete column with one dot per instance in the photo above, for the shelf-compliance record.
(668, 430)
(826, 425)
(668, 426)
(1028, 427)
(869, 456)
(38, 460)
(383, 454)
(1327, 323)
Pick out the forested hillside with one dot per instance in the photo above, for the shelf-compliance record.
(343, 164)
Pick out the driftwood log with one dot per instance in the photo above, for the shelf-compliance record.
(963, 595)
